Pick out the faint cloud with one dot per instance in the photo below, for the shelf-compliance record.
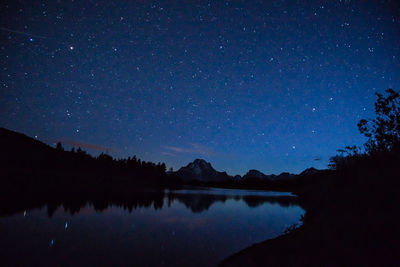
(88, 146)
(194, 148)
(177, 149)
(168, 154)
(203, 150)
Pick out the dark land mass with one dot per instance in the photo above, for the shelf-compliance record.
(27, 164)
(352, 219)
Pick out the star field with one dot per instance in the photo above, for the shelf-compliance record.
(268, 85)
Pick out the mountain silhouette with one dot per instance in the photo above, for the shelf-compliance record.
(201, 170)
(257, 175)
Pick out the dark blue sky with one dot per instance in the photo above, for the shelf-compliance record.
(268, 85)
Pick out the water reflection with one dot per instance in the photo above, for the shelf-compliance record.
(172, 228)
(202, 202)
(197, 200)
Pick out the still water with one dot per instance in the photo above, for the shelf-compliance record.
(191, 227)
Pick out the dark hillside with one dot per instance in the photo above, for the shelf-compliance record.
(29, 165)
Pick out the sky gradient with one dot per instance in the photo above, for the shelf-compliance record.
(268, 85)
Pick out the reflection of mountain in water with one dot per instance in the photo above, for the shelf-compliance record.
(202, 202)
(73, 204)
(197, 202)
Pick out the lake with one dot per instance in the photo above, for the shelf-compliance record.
(190, 227)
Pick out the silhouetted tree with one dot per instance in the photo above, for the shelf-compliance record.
(105, 158)
(383, 132)
(162, 167)
(59, 146)
(349, 153)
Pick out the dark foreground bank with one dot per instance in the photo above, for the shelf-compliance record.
(352, 219)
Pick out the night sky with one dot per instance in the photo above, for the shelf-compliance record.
(268, 85)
